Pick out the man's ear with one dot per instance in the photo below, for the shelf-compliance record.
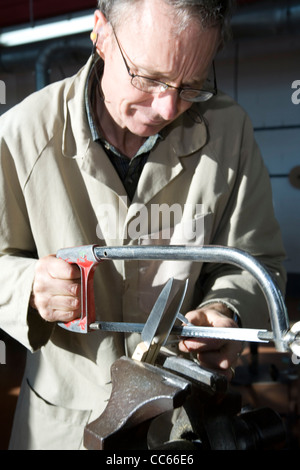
(100, 33)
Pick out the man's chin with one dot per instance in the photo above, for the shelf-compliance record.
(148, 130)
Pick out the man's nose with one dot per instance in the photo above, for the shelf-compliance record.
(166, 104)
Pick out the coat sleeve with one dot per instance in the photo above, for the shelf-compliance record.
(247, 223)
(17, 258)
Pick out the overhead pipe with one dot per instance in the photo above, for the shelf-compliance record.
(42, 54)
(50, 53)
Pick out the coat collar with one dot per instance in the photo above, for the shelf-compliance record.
(76, 133)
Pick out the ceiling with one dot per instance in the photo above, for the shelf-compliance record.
(16, 12)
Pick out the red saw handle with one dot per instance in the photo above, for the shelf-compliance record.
(85, 259)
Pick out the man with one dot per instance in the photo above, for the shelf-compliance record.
(133, 130)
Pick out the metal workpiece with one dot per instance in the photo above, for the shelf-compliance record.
(156, 331)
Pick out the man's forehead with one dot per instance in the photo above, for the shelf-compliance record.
(152, 23)
(153, 49)
(148, 15)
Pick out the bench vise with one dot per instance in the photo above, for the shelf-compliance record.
(178, 405)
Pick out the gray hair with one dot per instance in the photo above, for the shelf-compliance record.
(209, 12)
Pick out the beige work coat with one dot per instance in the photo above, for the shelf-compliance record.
(57, 186)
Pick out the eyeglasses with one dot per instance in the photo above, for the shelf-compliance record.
(148, 85)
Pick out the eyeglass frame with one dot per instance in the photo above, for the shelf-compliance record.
(166, 86)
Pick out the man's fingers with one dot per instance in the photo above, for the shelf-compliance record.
(60, 269)
(56, 290)
(217, 354)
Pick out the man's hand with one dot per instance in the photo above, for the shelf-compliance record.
(215, 354)
(56, 290)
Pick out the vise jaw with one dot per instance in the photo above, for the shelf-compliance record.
(140, 392)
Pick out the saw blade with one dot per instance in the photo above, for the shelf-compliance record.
(194, 332)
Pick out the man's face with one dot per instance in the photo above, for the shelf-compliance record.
(152, 49)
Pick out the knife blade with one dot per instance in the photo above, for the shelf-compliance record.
(156, 330)
(151, 327)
